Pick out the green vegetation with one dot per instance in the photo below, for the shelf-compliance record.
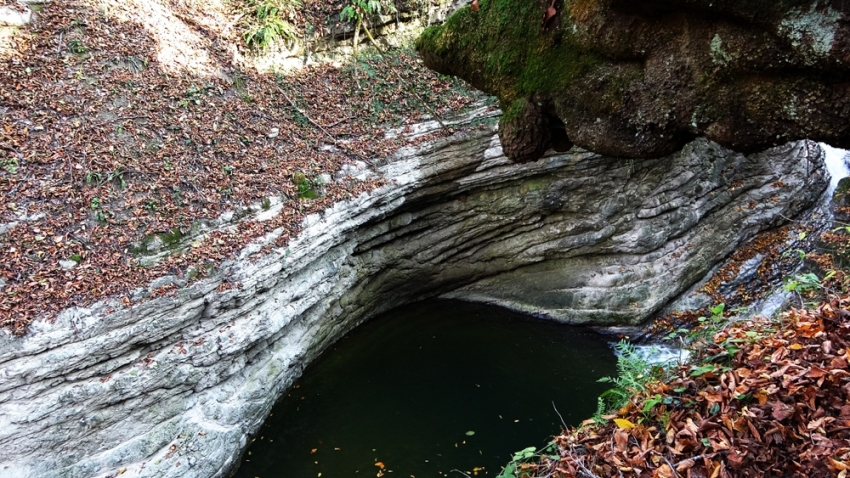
(77, 47)
(633, 373)
(356, 10)
(307, 188)
(10, 165)
(268, 22)
(503, 49)
(523, 459)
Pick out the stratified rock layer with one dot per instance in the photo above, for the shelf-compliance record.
(173, 386)
(643, 78)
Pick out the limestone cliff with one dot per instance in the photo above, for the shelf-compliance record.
(173, 386)
(643, 78)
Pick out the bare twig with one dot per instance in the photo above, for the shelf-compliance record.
(121, 118)
(693, 459)
(581, 465)
(304, 114)
(428, 107)
(339, 122)
(559, 415)
(672, 468)
(374, 43)
(462, 473)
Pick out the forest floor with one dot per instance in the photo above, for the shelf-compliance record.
(759, 396)
(124, 121)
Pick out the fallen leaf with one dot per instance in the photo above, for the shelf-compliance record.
(624, 424)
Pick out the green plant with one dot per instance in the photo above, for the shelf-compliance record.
(77, 47)
(266, 23)
(10, 165)
(307, 189)
(633, 373)
(116, 177)
(706, 327)
(521, 460)
(357, 9)
(804, 283)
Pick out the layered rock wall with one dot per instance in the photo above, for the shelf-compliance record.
(173, 386)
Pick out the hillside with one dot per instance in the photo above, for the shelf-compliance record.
(127, 126)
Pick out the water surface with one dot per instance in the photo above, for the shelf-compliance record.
(428, 388)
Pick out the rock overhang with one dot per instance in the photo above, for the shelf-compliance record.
(642, 79)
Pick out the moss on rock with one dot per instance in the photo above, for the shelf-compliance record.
(642, 79)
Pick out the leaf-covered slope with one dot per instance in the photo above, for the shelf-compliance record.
(127, 127)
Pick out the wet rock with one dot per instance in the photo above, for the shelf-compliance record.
(642, 79)
(841, 201)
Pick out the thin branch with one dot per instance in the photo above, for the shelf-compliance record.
(121, 118)
(581, 466)
(693, 459)
(317, 125)
(559, 415)
(672, 468)
(428, 107)
(339, 122)
(374, 43)
(462, 473)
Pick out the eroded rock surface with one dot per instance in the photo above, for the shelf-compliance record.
(173, 386)
(643, 78)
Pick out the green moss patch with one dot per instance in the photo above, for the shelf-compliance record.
(503, 49)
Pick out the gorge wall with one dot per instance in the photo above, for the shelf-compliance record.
(174, 385)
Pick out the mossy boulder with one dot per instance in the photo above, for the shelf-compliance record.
(641, 79)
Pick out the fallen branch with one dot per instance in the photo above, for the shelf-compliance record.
(304, 114)
(581, 466)
(339, 122)
(412, 90)
(672, 468)
(121, 118)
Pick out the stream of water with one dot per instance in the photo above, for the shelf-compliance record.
(431, 387)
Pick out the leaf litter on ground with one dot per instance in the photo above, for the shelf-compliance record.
(103, 146)
(779, 407)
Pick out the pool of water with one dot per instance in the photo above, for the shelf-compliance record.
(428, 388)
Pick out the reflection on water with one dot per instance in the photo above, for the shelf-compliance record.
(429, 388)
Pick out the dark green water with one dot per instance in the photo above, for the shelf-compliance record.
(405, 388)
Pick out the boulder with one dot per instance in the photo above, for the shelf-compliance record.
(641, 79)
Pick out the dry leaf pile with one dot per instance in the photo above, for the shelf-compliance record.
(102, 146)
(779, 408)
